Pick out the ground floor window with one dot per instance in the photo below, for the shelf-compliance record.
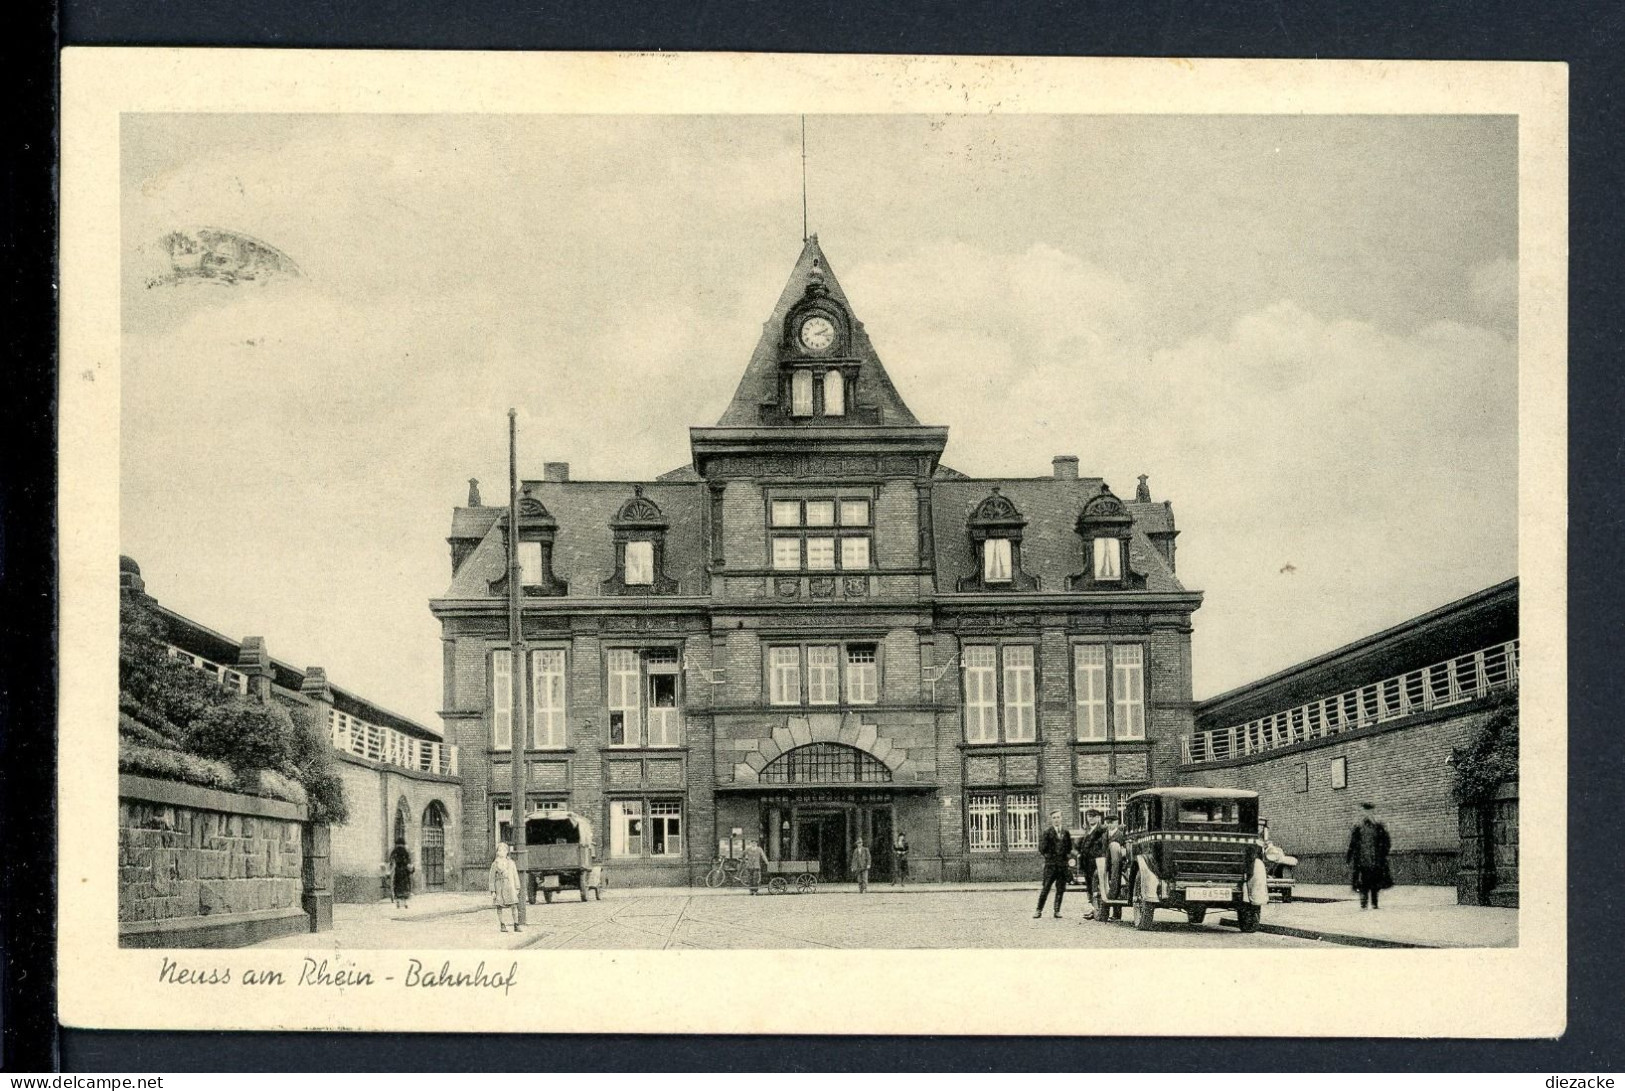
(1002, 821)
(645, 827)
(1104, 802)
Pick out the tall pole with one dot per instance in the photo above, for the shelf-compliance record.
(803, 177)
(519, 733)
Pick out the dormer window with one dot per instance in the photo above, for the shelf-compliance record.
(1106, 528)
(995, 532)
(537, 531)
(639, 531)
(996, 560)
(1108, 559)
(640, 564)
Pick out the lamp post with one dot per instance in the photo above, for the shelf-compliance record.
(519, 733)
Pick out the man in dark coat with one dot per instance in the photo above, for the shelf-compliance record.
(1368, 857)
(1056, 848)
(1092, 857)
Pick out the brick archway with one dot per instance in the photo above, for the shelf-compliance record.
(846, 729)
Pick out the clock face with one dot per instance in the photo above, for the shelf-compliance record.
(817, 333)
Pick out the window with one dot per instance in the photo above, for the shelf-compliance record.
(547, 697)
(665, 827)
(834, 394)
(801, 394)
(1340, 773)
(1020, 720)
(1094, 801)
(854, 553)
(640, 564)
(825, 763)
(665, 718)
(988, 690)
(530, 564)
(1209, 812)
(501, 700)
(1002, 821)
(626, 827)
(981, 716)
(1089, 669)
(787, 554)
(784, 676)
(830, 533)
(639, 827)
(823, 670)
(982, 826)
(862, 675)
(996, 560)
(1128, 691)
(1108, 559)
(642, 692)
(820, 554)
(822, 665)
(1021, 822)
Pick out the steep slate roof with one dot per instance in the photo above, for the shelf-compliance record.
(760, 383)
(473, 522)
(584, 550)
(1050, 546)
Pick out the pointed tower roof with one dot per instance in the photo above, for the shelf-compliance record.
(759, 385)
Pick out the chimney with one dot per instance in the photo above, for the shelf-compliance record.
(1142, 495)
(555, 471)
(473, 492)
(129, 577)
(1066, 467)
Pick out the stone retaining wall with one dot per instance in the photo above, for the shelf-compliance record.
(205, 868)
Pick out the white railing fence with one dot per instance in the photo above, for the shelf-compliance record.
(391, 747)
(225, 675)
(1464, 678)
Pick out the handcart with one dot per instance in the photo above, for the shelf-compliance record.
(803, 873)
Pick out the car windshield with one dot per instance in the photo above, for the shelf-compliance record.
(1209, 812)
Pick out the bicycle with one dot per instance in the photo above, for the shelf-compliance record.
(724, 872)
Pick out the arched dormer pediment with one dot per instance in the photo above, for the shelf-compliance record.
(639, 513)
(995, 528)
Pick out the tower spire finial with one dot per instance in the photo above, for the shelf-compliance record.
(803, 177)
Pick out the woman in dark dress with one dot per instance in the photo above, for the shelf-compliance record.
(400, 865)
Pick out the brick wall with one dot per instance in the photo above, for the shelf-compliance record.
(202, 868)
(1399, 766)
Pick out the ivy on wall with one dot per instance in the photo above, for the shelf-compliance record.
(1490, 758)
(178, 722)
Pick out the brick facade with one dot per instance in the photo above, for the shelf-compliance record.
(810, 774)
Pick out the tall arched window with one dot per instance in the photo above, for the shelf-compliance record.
(834, 393)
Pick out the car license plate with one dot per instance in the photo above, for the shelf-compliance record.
(1208, 894)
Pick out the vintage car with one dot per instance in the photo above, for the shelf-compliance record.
(1190, 850)
(560, 855)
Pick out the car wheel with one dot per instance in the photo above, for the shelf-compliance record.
(1144, 913)
(1196, 915)
(1248, 917)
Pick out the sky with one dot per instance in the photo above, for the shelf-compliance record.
(1303, 329)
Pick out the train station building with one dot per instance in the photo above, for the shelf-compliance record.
(816, 631)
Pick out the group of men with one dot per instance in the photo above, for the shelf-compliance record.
(1097, 858)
